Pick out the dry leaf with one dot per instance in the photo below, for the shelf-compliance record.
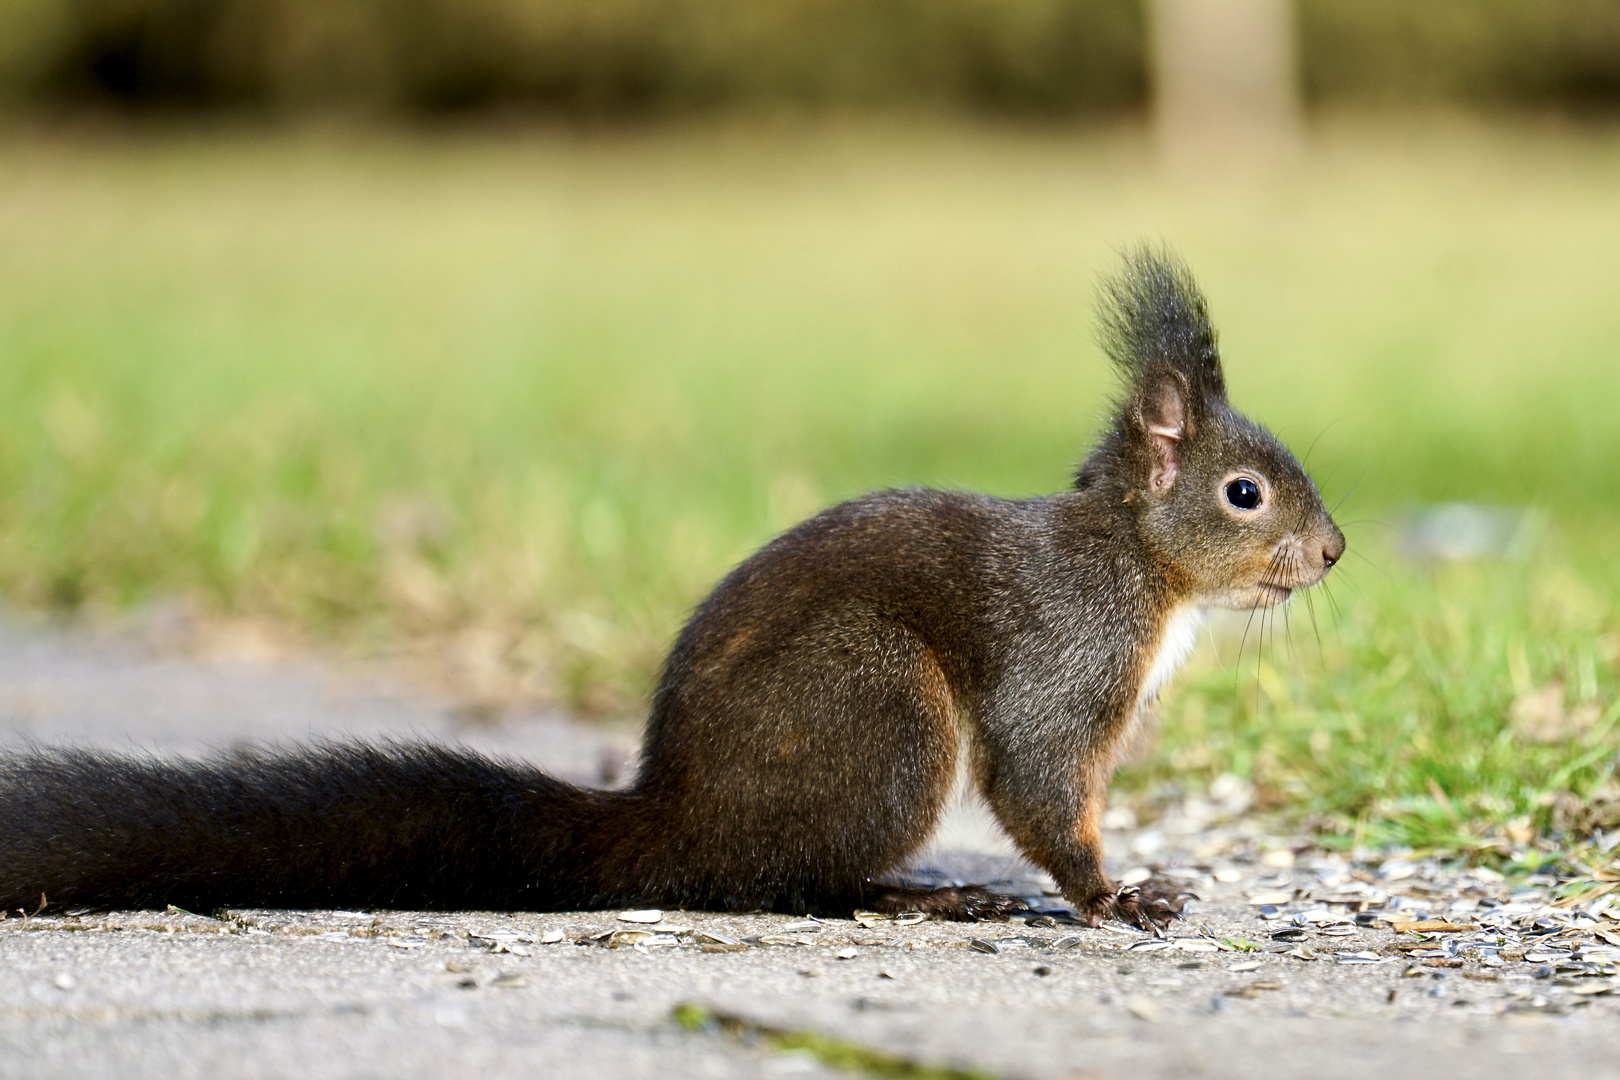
(1540, 716)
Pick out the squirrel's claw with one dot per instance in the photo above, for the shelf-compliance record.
(1151, 910)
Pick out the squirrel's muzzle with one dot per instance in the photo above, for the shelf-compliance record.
(1332, 549)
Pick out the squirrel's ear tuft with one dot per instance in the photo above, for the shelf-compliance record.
(1152, 317)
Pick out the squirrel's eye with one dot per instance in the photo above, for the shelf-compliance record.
(1243, 493)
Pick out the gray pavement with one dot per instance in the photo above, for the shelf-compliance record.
(398, 994)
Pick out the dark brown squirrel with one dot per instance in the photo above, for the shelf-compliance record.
(806, 732)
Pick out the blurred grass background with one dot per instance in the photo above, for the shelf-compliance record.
(510, 396)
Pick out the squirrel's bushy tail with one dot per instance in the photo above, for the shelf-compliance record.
(329, 825)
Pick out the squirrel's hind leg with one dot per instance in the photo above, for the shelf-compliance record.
(958, 903)
(797, 788)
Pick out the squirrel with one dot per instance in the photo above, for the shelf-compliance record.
(807, 728)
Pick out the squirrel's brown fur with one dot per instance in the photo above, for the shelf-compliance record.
(806, 731)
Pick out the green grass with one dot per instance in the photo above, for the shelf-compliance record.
(1395, 729)
(514, 401)
(839, 1054)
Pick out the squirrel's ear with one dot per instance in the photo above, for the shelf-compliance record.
(1165, 423)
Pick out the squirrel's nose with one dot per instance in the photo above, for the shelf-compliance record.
(1333, 550)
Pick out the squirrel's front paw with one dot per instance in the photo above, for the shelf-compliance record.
(1150, 908)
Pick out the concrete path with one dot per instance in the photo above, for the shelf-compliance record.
(390, 994)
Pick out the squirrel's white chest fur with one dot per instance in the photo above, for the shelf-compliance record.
(1176, 642)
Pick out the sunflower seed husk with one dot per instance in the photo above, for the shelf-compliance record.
(1591, 988)
(646, 915)
(1144, 1008)
(981, 945)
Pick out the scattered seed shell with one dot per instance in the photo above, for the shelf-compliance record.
(1360, 958)
(647, 915)
(1144, 1008)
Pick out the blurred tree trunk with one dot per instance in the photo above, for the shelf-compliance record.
(1226, 79)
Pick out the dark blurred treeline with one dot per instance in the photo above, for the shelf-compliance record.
(617, 56)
